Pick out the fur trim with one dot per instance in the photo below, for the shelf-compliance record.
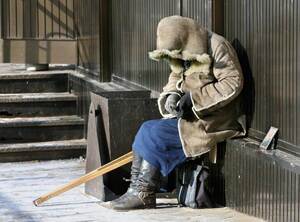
(178, 54)
(203, 58)
(178, 84)
(164, 53)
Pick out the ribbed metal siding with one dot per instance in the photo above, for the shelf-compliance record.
(269, 30)
(1, 19)
(38, 19)
(88, 29)
(133, 35)
(264, 185)
(200, 10)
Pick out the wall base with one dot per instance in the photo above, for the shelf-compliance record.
(264, 184)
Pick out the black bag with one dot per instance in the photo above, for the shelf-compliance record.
(192, 186)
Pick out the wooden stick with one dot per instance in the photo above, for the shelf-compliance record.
(127, 158)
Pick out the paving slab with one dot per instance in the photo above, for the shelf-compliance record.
(22, 182)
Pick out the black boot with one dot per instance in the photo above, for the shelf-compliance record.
(135, 171)
(140, 195)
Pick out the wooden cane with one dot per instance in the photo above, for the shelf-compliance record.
(127, 158)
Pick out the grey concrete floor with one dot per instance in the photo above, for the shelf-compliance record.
(21, 183)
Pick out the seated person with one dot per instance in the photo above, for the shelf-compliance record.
(200, 106)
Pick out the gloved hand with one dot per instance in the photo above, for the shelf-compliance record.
(185, 106)
(171, 104)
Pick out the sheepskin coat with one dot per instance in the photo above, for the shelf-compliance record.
(214, 81)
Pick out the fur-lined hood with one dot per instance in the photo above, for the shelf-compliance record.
(181, 38)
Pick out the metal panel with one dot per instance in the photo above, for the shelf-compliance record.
(1, 20)
(110, 135)
(38, 19)
(264, 184)
(268, 32)
(93, 42)
(200, 10)
(133, 35)
(120, 46)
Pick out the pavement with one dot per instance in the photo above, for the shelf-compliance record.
(22, 182)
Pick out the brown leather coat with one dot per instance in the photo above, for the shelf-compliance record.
(214, 81)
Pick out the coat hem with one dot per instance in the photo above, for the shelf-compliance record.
(186, 153)
(180, 137)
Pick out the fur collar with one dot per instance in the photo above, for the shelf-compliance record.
(199, 63)
(178, 54)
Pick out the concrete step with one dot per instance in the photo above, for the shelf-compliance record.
(37, 104)
(33, 82)
(42, 150)
(39, 129)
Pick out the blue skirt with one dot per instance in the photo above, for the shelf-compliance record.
(158, 142)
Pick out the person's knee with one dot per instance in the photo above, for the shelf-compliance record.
(146, 126)
(157, 129)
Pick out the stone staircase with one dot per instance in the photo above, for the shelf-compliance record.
(38, 118)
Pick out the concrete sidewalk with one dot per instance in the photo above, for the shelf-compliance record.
(21, 183)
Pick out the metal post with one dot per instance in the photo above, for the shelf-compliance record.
(218, 16)
(1, 19)
(104, 54)
(1, 32)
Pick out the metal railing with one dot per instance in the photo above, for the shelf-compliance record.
(38, 19)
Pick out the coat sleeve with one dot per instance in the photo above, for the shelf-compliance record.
(226, 87)
(169, 88)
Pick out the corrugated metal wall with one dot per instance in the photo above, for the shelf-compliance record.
(200, 10)
(93, 43)
(263, 184)
(87, 27)
(38, 19)
(269, 33)
(265, 34)
(116, 35)
(133, 35)
(1, 20)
